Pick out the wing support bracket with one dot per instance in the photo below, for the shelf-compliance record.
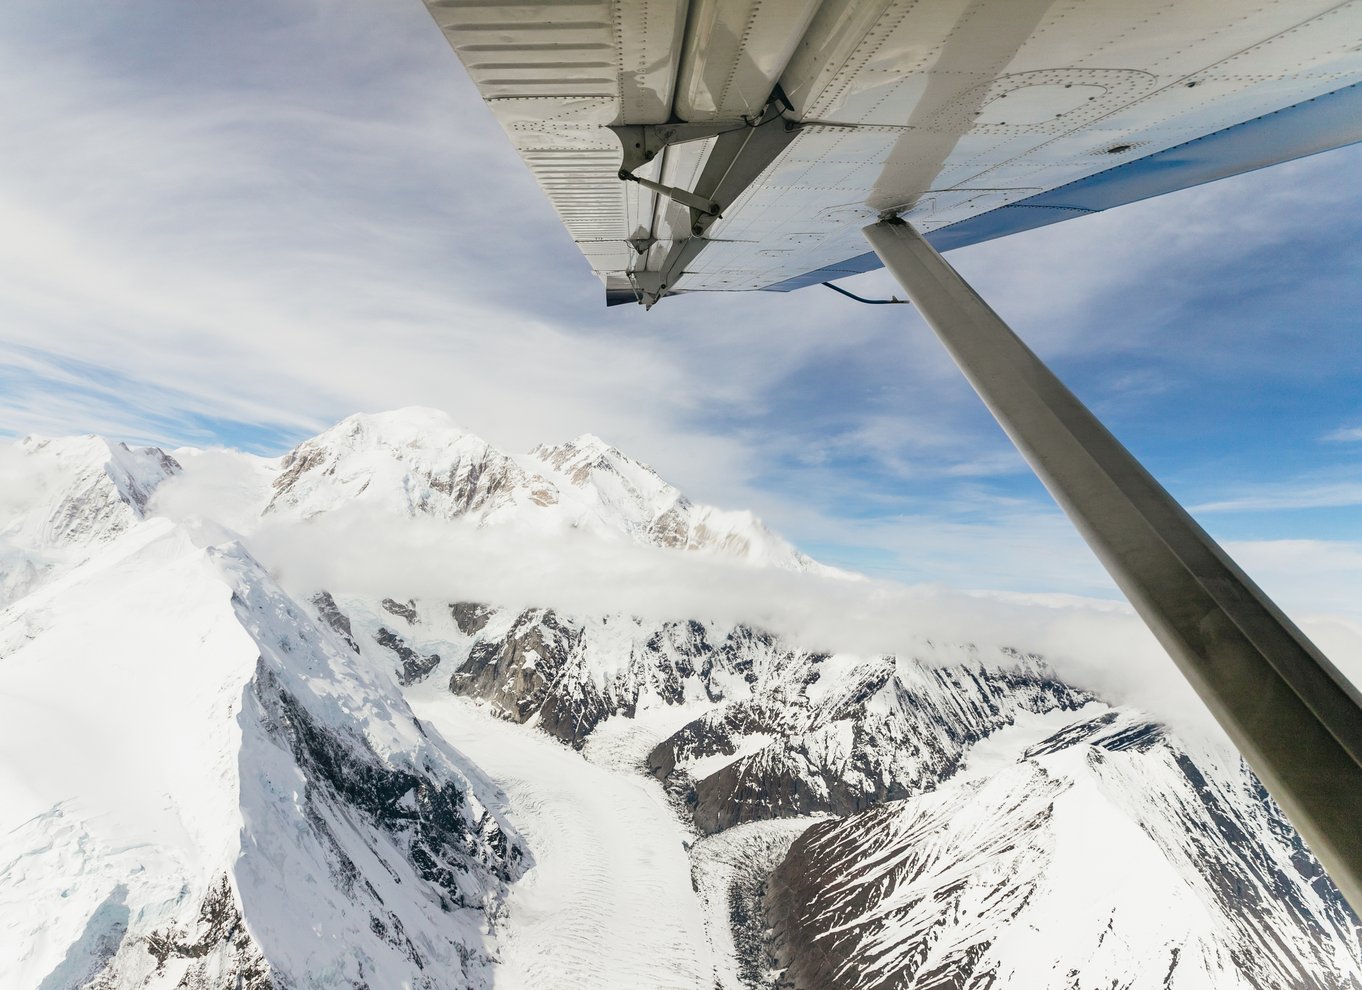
(742, 151)
(644, 142)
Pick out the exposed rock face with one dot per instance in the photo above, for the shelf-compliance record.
(336, 620)
(470, 617)
(792, 732)
(1104, 835)
(719, 732)
(536, 670)
(413, 666)
(220, 932)
(416, 462)
(403, 610)
(885, 729)
(569, 675)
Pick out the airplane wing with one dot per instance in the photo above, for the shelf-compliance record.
(767, 133)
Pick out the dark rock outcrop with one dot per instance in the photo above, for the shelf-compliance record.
(220, 928)
(891, 728)
(414, 665)
(432, 822)
(543, 668)
(403, 610)
(470, 617)
(336, 620)
(806, 733)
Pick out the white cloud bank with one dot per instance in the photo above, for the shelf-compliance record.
(1099, 644)
(1095, 644)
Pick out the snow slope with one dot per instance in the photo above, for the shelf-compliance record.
(1101, 855)
(190, 766)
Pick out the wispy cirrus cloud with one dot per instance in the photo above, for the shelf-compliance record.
(1305, 494)
(242, 222)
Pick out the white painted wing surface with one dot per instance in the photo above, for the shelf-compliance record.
(977, 116)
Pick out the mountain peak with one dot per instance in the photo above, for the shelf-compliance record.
(419, 462)
(61, 498)
(580, 460)
(416, 461)
(422, 426)
(82, 488)
(589, 443)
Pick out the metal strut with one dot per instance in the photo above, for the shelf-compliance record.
(1294, 717)
(698, 203)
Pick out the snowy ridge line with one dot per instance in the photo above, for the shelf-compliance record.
(417, 462)
(61, 499)
(213, 773)
(1189, 878)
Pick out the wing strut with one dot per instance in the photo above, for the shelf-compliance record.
(1296, 720)
(742, 151)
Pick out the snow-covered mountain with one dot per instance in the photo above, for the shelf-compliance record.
(60, 499)
(1001, 827)
(782, 732)
(608, 490)
(221, 794)
(417, 462)
(211, 775)
(1103, 854)
(412, 462)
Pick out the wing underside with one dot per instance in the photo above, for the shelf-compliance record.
(767, 134)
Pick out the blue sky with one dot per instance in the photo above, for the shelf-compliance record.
(237, 223)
